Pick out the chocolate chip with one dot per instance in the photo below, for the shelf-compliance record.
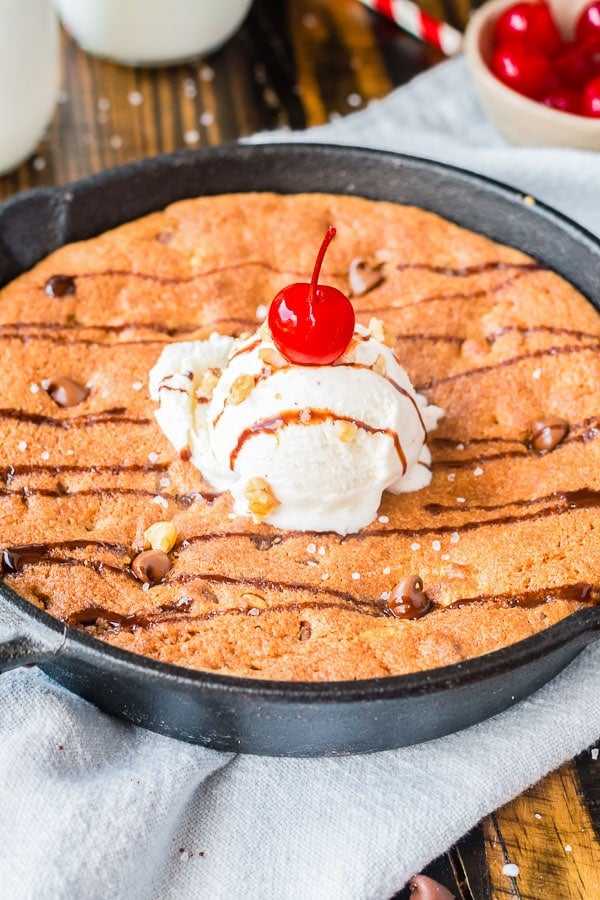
(364, 276)
(305, 631)
(60, 286)
(546, 434)
(64, 391)
(151, 566)
(424, 888)
(408, 599)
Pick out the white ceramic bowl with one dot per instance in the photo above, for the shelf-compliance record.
(520, 120)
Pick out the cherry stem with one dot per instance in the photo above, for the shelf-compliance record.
(331, 233)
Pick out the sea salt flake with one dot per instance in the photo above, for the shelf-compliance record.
(537, 374)
(312, 548)
(22, 445)
(415, 546)
(451, 476)
(39, 164)
(190, 89)
(261, 312)
(461, 499)
(383, 519)
(312, 563)
(145, 587)
(334, 116)
(164, 482)
(137, 386)
(34, 388)
(325, 576)
(460, 446)
(511, 870)
(191, 136)
(116, 142)
(478, 471)
(594, 752)
(152, 457)
(436, 546)
(445, 556)
(356, 576)
(45, 455)
(207, 73)
(321, 551)
(135, 98)
(537, 815)
(354, 100)
(568, 848)
(387, 570)
(454, 537)
(207, 119)
(161, 501)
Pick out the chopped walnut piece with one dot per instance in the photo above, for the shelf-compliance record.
(380, 333)
(161, 536)
(254, 601)
(260, 497)
(384, 631)
(241, 388)
(271, 357)
(379, 366)
(208, 382)
(345, 431)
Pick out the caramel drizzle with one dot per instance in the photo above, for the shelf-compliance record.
(9, 473)
(476, 269)
(64, 493)
(317, 416)
(106, 416)
(514, 360)
(267, 373)
(443, 298)
(580, 433)
(90, 616)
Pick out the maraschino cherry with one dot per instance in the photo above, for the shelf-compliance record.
(312, 324)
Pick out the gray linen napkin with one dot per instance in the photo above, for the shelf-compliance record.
(94, 808)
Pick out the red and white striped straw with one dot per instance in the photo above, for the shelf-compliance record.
(409, 16)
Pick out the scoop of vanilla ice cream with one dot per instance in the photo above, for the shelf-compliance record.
(307, 448)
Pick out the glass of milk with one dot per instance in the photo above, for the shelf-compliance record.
(28, 76)
(151, 32)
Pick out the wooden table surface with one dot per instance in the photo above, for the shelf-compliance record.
(297, 63)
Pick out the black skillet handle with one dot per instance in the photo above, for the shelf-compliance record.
(24, 638)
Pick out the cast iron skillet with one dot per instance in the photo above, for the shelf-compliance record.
(290, 718)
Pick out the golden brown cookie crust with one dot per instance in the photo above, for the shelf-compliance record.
(495, 339)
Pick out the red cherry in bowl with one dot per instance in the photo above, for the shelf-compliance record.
(530, 23)
(312, 324)
(591, 98)
(588, 23)
(563, 98)
(525, 71)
